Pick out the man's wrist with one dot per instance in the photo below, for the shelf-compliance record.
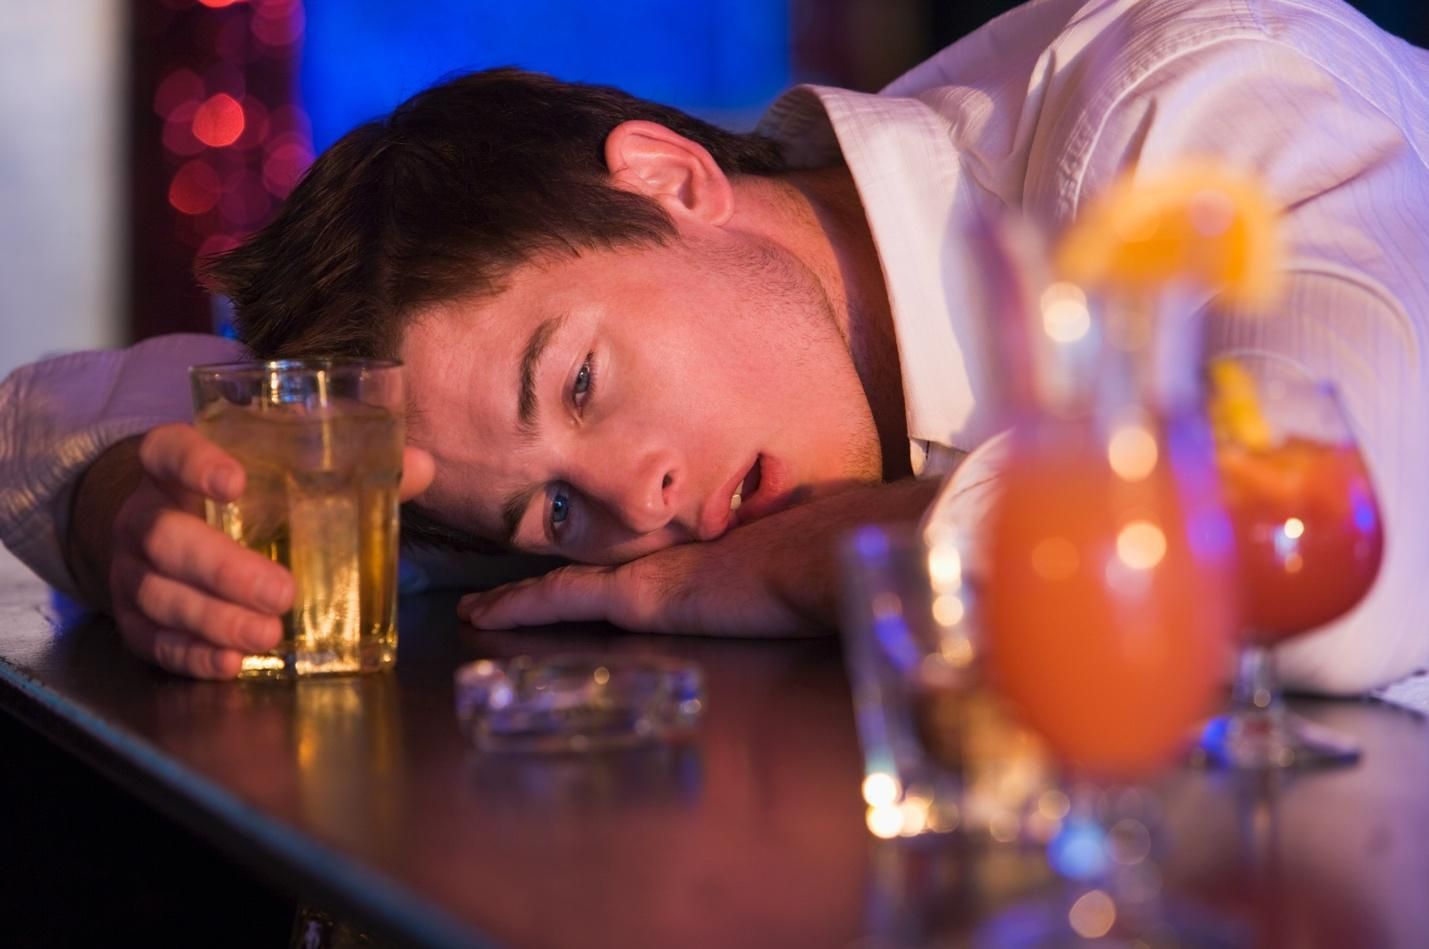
(89, 540)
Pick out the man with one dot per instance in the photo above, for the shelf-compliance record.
(692, 359)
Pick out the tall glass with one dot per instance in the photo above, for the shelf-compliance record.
(941, 753)
(321, 444)
(1309, 540)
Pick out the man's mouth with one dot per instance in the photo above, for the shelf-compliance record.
(746, 488)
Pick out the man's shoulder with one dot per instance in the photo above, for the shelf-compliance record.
(1123, 40)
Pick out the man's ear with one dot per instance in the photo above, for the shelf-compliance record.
(650, 159)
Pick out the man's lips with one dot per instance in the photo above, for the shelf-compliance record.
(718, 513)
(747, 487)
(759, 486)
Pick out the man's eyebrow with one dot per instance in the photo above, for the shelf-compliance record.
(530, 362)
(513, 508)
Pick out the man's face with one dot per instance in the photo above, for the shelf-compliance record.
(608, 405)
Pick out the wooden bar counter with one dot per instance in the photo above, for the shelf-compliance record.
(361, 795)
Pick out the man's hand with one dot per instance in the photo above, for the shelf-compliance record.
(776, 576)
(185, 595)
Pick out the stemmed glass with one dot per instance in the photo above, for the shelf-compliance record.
(1309, 540)
(1108, 617)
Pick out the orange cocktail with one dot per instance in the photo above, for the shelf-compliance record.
(1307, 532)
(1109, 615)
(1309, 539)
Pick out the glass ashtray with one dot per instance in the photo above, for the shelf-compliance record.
(573, 703)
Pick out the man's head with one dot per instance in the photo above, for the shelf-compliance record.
(606, 336)
(446, 196)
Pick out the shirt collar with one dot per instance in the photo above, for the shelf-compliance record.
(918, 204)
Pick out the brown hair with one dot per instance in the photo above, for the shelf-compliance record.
(443, 198)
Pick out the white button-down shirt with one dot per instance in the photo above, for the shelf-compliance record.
(1035, 111)
(1048, 104)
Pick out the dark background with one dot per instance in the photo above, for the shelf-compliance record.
(336, 62)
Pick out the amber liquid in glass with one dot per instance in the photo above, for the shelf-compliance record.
(321, 499)
(1308, 533)
(1108, 627)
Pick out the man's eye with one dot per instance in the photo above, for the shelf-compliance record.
(560, 510)
(584, 385)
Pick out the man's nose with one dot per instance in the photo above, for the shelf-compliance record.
(640, 489)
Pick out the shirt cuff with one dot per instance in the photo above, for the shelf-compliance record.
(57, 416)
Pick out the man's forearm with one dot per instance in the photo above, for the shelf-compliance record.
(101, 491)
(811, 536)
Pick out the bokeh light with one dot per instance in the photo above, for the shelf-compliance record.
(219, 122)
(884, 822)
(195, 189)
(234, 139)
(180, 87)
(1065, 315)
(1141, 545)
(1132, 451)
(1093, 915)
(880, 790)
(948, 609)
(284, 165)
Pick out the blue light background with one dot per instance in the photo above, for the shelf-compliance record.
(723, 61)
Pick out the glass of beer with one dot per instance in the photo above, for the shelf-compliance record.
(321, 444)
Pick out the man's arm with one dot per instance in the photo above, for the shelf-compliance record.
(774, 577)
(99, 493)
(184, 595)
(59, 415)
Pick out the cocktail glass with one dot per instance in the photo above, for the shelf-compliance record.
(1109, 615)
(1309, 542)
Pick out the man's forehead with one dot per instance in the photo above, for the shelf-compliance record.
(453, 352)
(463, 381)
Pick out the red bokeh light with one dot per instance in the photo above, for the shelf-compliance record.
(178, 88)
(178, 134)
(245, 204)
(219, 121)
(284, 165)
(255, 123)
(195, 189)
(229, 121)
(216, 244)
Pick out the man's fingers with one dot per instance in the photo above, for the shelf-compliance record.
(418, 469)
(176, 651)
(179, 458)
(172, 605)
(570, 594)
(184, 547)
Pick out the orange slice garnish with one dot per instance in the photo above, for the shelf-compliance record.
(1234, 407)
(1198, 222)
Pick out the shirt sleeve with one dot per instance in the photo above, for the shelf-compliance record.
(58, 415)
(1355, 190)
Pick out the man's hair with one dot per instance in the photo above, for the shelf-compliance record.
(442, 199)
